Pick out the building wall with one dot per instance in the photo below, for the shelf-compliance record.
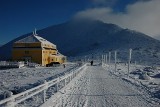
(48, 46)
(46, 55)
(27, 45)
(27, 51)
(36, 52)
(60, 59)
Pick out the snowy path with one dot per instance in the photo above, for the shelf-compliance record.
(99, 88)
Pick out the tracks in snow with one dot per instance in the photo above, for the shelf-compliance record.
(96, 87)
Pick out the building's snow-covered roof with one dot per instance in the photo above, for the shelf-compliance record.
(44, 41)
(28, 39)
(34, 38)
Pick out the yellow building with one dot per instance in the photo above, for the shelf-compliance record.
(36, 49)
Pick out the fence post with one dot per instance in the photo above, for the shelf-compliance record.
(102, 59)
(44, 91)
(109, 60)
(57, 84)
(72, 74)
(64, 81)
(106, 59)
(135, 63)
(129, 60)
(11, 102)
(115, 61)
(68, 79)
(71, 77)
(85, 59)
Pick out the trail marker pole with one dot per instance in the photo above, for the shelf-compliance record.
(106, 59)
(129, 60)
(135, 63)
(102, 59)
(115, 55)
(109, 60)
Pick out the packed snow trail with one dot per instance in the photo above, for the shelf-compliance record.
(99, 88)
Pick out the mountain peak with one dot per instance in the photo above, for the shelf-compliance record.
(89, 21)
(82, 35)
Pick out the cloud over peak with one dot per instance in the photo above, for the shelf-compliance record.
(140, 16)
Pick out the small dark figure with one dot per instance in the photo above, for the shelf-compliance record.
(64, 65)
(91, 63)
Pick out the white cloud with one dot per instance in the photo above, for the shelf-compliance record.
(141, 16)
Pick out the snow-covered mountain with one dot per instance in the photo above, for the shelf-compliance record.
(76, 37)
(157, 37)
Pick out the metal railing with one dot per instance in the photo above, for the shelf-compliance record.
(13, 100)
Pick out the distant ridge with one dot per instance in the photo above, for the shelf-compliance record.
(76, 37)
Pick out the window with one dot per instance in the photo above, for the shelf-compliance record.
(26, 45)
(26, 52)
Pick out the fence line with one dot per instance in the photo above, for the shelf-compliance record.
(13, 100)
(6, 64)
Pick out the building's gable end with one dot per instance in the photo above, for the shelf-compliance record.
(28, 39)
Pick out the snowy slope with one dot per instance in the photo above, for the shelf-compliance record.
(82, 36)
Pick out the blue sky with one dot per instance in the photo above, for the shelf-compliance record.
(19, 17)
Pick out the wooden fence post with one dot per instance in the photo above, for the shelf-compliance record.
(11, 102)
(44, 91)
(57, 84)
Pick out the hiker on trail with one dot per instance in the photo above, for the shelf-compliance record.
(64, 65)
(92, 63)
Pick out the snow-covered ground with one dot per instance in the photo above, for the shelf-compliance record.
(99, 87)
(145, 77)
(96, 86)
(25, 78)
